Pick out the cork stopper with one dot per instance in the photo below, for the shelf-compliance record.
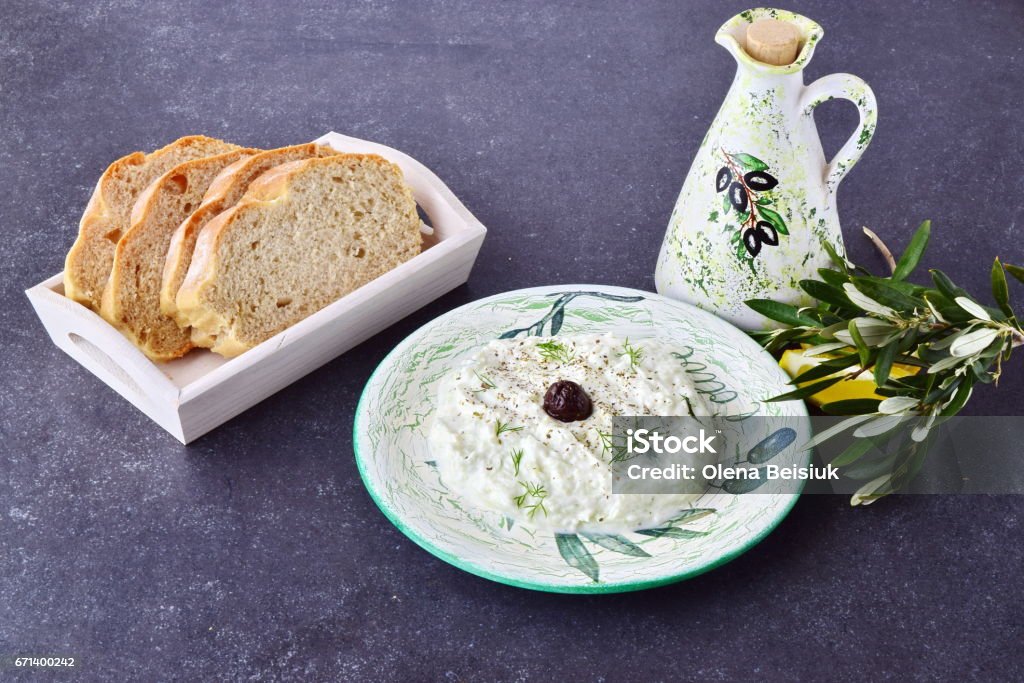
(773, 42)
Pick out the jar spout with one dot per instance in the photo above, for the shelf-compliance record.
(733, 37)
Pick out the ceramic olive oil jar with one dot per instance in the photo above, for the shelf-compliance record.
(759, 200)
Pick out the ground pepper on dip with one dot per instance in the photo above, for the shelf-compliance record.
(495, 445)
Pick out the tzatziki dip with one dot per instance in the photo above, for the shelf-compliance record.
(524, 428)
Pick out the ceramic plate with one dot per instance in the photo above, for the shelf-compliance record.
(393, 420)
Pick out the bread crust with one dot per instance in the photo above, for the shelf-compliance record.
(113, 301)
(95, 224)
(88, 262)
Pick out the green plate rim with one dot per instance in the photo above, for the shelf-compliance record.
(591, 589)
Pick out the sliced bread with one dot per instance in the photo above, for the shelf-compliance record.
(305, 234)
(131, 298)
(225, 191)
(106, 217)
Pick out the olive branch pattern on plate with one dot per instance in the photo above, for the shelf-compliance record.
(575, 552)
(392, 422)
(748, 186)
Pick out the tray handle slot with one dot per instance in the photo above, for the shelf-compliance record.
(106, 363)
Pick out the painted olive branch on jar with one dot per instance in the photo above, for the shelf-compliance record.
(747, 186)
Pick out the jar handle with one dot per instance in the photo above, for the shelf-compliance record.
(847, 87)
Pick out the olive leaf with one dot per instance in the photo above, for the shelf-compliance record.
(1015, 271)
(973, 342)
(823, 349)
(1000, 288)
(884, 361)
(838, 260)
(576, 555)
(780, 312)
(772, 445)
(672, 532)
(750, 162)
(556, 321)
(959, 398)
(912, 255)
(740, 486)
(691, 515)
(853, 453)
(897, 404)
(835, 430)
(865, 302)
(827, 368)
(805, 391)
(741, 248)
(833, 277)
(872, 331)
(869, 493)
(889, 293)
(972, 307)
(879, 425)
(851, 406)
(616, 543)
(826, 293)
(775, 219)
(946, 286)
(863, 352)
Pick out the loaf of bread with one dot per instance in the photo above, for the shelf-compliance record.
(106, 217)
(225, 191)
(131, 298)
(305, 234)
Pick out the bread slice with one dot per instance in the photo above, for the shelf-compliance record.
(131, 298)
(106, 217)
(225, 191)
(305, 234)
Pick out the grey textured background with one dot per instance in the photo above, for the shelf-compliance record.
(567, 128)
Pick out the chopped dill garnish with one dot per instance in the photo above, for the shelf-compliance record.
(517, 457)
(535, 491)
(608, 446)
(635, 353)
(554, 351)
(502, 427)
(485, 382)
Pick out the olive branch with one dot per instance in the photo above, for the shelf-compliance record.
(864, 324)
(747, 186)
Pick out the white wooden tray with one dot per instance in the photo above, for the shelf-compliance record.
(190, 396)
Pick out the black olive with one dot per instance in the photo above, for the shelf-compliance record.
(759, 181)
(767, 233)
(722, 181)
(566, 401)
(752, 241)
(738, 197)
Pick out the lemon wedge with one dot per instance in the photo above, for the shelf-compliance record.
(794, 361)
